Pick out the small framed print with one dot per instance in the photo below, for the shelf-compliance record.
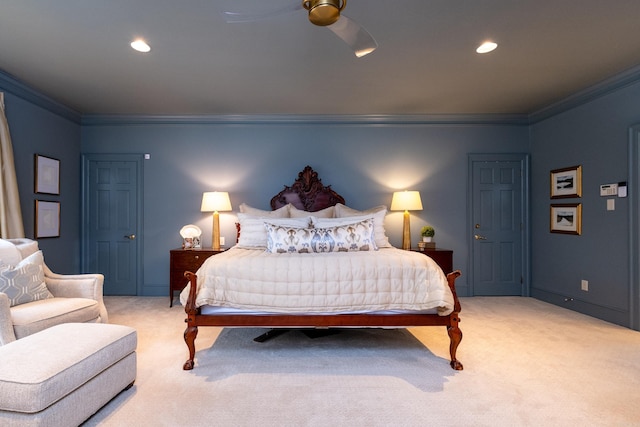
(47, 219)
(47, 179)
(566, 218)
(566, 182)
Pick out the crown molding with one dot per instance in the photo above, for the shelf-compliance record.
(11, 84)
(605, 87)
(266, 119)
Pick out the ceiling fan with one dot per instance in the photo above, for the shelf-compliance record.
(324, 13)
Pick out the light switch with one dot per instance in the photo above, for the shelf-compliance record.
(611, 204)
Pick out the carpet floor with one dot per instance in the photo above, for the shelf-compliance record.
(526, 363)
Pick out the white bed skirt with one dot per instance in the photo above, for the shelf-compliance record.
(210, 310)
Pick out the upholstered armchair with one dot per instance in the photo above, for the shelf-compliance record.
(33, 298)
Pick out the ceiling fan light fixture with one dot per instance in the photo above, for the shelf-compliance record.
(363, 52)
(324, 12)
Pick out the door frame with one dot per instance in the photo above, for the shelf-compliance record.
(634, 227)
(84, 217)
(524, 160)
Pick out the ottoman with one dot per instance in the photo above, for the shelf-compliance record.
(64, 374)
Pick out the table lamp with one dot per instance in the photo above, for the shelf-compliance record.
(406, 201)
(215, 201)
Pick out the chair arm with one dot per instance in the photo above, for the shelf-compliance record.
(77, 286)
(7, 334)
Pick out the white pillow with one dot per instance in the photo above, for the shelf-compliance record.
(25, 282)
(323, 213)
(25, 246)
(253, 234)
(378, 213)
(353, 237)
(282, 212)
(9, 253)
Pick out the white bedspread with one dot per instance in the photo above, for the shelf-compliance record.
(387, 279)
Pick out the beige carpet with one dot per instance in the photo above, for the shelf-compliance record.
(527, 363)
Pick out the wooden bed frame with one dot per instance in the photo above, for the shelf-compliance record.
(308, 193)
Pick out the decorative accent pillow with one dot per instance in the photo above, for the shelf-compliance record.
(378, 213)
(25, 282)
(253, 234)
(323, 213)
(282, 212)
(353, 237)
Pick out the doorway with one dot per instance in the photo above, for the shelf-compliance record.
(498, 224)
(111, 220)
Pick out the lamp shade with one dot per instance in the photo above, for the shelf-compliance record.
(214, 201)
(406, 201)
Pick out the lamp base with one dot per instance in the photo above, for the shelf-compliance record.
(215, 234)
(406, 232)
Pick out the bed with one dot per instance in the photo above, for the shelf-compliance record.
(337, 271)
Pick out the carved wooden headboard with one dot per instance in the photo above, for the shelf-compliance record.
(307, 193)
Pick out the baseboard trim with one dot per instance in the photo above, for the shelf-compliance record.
(619, 317)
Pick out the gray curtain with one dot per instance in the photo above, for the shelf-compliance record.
(11, 226)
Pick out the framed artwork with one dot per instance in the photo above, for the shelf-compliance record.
(566, 218)
(47, 219)
(47, 175)
(566, 182)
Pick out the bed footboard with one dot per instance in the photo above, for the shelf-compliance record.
(195, 319)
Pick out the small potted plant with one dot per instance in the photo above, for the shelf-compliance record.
(427, 233)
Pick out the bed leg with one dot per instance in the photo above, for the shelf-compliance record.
(455, 335)
(190, 338)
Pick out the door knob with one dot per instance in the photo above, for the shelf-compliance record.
(130, 236)
(477, 237)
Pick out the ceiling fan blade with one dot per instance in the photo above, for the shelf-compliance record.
(354, 35)
(239, 17)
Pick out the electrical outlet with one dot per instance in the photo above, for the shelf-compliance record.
(584, 285)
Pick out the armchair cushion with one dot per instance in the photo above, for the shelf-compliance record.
(39, 315)
(24, 282)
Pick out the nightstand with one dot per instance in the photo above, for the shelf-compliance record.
(182, 260)
(442, 257)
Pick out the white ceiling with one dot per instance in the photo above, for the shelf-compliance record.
(77, 52)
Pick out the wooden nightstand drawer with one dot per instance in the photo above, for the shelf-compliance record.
(182, 260)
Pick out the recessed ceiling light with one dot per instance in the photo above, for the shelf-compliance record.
(486, 47)
(140, 45)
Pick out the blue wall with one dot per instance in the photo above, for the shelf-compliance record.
(364, 162)
(595, 135)
(40, 125)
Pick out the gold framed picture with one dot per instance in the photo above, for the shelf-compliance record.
(47, 219)
(47, 171)
(566, 182)
(566, 218)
